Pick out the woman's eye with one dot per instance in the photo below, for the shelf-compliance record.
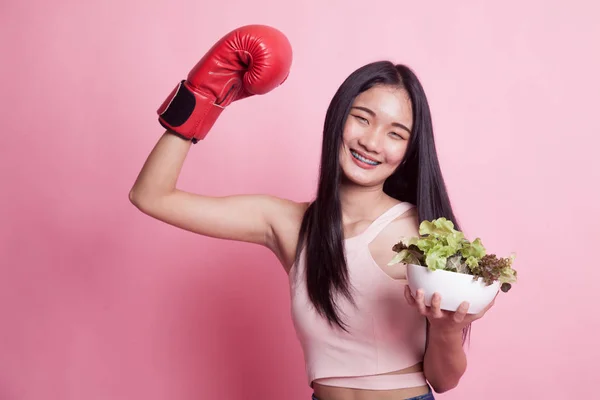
(361, 119)
(396, 136)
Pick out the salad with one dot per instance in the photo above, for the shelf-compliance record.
(440, 246)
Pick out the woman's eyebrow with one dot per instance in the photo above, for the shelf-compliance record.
(372, 113)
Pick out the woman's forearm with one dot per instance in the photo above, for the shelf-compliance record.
(161, 170)
(445, 360)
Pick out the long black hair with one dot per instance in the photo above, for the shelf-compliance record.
(417, 180)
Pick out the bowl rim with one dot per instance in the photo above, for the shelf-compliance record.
(471, 276)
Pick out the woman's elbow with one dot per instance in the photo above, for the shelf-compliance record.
(134, 198)
(140, 200)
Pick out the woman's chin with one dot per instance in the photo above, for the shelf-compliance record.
(357, 179)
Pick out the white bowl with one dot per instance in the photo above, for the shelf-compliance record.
(453, 287)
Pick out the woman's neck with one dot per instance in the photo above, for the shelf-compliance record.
(363, 203)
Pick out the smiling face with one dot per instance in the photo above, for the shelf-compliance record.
(376, 135)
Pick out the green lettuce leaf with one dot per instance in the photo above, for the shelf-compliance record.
(474, 249)
(437, 256)
(440, 227)
(454, 263)
(407, 256)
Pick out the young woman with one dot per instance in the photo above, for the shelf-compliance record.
(364, 335)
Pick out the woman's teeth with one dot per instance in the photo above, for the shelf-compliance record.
(363, 159)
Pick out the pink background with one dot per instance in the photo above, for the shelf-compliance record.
(98, 301)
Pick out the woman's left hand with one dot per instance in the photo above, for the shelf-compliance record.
(442, 319)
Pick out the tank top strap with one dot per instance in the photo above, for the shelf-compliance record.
(385, 219)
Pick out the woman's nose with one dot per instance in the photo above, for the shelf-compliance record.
(371, 140)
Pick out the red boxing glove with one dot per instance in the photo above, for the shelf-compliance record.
(250, 60)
